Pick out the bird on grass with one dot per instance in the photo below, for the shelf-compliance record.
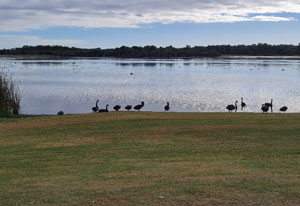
(117, 107)
(243, 104)
(128, 107)
(264, 108)
(167, 107)
(96, 108)
(104, 110)
(232, 107)
(60, 113)
(270, 105)
(139, 106)
(283, 109)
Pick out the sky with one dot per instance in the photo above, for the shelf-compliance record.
(114, 23)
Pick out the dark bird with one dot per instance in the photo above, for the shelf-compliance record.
(117, 107)
(96, 108)
(60, 113)
(264, 108)
(167, 107)
(283, 109)
(104, 110)
(131, 73)
(232, 107)
(128, 107)
(270, 105)
(243, 104)
(139, 106)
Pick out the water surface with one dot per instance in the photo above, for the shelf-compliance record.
(190, 85)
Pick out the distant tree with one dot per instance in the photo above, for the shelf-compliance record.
(260, 49)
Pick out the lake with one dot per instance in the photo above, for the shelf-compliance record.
(190, 85)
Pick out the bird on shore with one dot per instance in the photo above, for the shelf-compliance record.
(270, 105)
(167, 107)
(117, 107)
(283, 109)
(139, 106)
(60, 113)
(232, 107)
(243, 104)
(96, 108)
(104, 110)
(264, 108)
(128, 107)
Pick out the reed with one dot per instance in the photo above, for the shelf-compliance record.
(9, 96)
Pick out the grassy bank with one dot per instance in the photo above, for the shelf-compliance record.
(136, 158)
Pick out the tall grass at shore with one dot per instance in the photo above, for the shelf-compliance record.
(9, 96)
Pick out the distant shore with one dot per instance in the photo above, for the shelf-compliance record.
(51, 57)
(159, 52)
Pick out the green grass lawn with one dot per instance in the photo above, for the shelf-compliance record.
(140, 158)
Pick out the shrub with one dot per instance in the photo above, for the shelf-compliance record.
(9, 96)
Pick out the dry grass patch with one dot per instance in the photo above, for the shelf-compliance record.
(70, 141)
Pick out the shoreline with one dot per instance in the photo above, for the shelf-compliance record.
(53, 57)
(148, 112)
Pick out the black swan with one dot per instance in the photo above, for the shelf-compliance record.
(232, 107)
(270, 105)
(104, 110)
(243, 104)
(264, 108)
(117, 107)
(128, 107)
(60, 113)
(96, 108)
(167, 107)
(283, 109)
(139, 106)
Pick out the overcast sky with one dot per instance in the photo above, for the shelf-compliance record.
(111, 23)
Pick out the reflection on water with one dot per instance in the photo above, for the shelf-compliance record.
(145, 64)
(190, 85)
(44, 63)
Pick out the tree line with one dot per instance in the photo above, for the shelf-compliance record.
(159, 52)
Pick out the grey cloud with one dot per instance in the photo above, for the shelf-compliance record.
(8, 41)
(20, 14)
(133, 5)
